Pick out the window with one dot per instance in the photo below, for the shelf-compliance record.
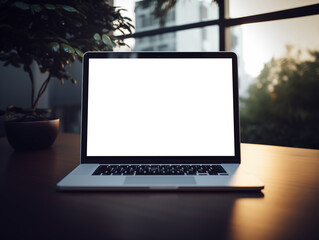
(143, 21)
(242, 8)
(272, 40)
(148, 49)
(163, 48)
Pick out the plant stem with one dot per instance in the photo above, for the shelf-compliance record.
(41, 91)
(32, 84)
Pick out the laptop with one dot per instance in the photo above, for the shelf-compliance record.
(160, 121)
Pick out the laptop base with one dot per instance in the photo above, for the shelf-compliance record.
(82, 179)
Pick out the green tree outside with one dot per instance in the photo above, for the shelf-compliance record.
(283, 104)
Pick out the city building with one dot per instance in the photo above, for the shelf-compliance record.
(200, 39)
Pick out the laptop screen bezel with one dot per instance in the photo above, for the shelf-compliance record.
(158, 159)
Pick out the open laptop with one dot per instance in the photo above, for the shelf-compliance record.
(160, 121)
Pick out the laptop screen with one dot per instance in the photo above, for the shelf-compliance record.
(138, 107)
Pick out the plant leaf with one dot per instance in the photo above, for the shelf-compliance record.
(78, 52)
(127, 18)
(67, 48)
(97, 37)
(49, 6)
(21, 5)
(54, 46)
(106, 39)
(68, 8)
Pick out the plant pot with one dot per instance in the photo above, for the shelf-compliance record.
(32, 135)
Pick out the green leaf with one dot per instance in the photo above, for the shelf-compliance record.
(68, 8)
(97, 37)
(54, 46)
(21, 5)
(106, 39)
(78, 52)
(67, 48)
(49, 6)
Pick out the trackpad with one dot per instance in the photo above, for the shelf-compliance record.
(169, 180)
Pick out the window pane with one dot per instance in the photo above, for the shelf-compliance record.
(279, 81)
(184, 12)
(198, 39)
(240, 8)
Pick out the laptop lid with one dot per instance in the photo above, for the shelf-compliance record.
(160, 108)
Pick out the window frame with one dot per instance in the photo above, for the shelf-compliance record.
(224, 23)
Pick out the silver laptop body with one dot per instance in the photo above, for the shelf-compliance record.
(160, 121)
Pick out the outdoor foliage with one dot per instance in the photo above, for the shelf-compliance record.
(54, 33)
(283, 104)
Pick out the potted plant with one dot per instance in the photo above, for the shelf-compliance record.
(51, 35)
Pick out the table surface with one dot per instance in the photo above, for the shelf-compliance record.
(288, 207)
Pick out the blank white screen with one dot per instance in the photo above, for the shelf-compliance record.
(160, 107)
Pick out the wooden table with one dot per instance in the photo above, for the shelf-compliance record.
(288, 207)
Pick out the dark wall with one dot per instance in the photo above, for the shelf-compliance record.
(65, 101)
(15, 87)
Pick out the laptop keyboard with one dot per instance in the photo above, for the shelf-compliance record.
(199, 170)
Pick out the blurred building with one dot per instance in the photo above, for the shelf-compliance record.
(199, 39)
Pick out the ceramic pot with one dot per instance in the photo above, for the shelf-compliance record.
(32, 135)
